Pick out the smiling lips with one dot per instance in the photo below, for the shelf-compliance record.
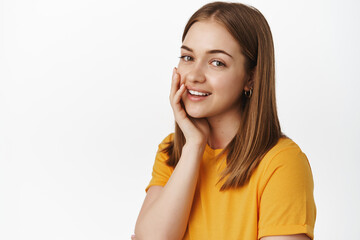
(198, 94)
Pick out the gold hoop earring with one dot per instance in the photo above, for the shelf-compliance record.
(248, 94)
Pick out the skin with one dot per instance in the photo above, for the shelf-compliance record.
(214, 120)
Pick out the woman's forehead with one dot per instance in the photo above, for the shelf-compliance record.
(208, 35)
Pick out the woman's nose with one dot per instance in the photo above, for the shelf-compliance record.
(196, 74)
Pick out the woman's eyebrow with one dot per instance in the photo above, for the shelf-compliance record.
(208, 52)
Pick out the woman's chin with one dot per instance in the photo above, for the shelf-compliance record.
(195, 110)
(196, 114)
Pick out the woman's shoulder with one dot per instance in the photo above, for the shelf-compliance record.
(285, 145)
(285, 153)
(286, 166)
(168, 139)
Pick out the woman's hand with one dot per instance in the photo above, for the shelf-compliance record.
(196, 130)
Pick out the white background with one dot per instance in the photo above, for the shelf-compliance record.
(84, 91)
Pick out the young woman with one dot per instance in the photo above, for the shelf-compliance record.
(227, 172)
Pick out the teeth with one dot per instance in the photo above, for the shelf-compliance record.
(192, 92)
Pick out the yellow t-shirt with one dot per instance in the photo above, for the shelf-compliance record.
(278, 200)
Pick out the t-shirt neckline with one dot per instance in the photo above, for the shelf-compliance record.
(213, 150)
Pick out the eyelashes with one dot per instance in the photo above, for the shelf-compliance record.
(219, 63)
(188, 58)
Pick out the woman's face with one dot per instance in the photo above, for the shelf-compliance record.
(212, 68)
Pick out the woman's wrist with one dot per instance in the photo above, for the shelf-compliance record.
(195, 146)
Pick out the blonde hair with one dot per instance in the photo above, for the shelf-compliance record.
(260, 128)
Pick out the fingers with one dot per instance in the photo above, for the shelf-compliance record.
(174, 84)
(176, 92)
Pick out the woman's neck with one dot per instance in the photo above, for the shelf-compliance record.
(223, 129)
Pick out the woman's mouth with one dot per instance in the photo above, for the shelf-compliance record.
(197, 93)
(196, 96)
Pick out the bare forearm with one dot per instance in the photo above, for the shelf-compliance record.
(167, 216)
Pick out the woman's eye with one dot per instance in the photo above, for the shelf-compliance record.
(217, 63)
(186, 58)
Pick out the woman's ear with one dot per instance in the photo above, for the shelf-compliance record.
(250, 81)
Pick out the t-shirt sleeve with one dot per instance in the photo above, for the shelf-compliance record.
(161, 171)
(287, 203)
